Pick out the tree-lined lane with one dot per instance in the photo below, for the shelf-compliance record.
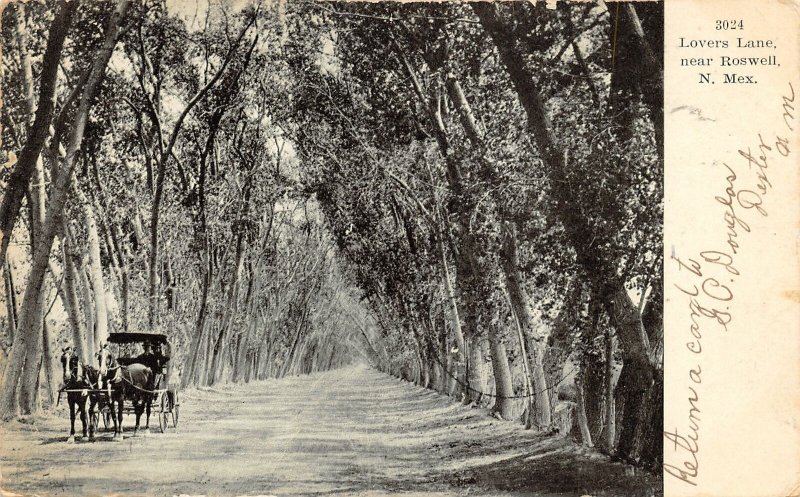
(352, 431)
(473, 189)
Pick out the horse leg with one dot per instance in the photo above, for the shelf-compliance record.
(71, 402)
(120, 407)
(82, 407)
(112, 408)
(137, 409)
(117, 418)
(148, 404)
(112, 413)
(92, 405)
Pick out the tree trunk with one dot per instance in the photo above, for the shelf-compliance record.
(47, 363)
(258, 363)
(611, 417)
(71, 302)
(423, 377)
(593, 369)
(165, 157)
(519, 302)
(123, 254)
(312, 367)
(38, 132)
(513, 282)
(460, 372)
(126, 299)
(241, 362)
(241, 358)
(583, 422)
(29, 379)
(331, 359)
(504, 389)
(442, 363)
(191, 363)
(470, 274)
(88, 306)
(468, 121)
(296, 361)
(204, 352)
(29, 333)
(267, 360)
(228, 320)
(203, 363)
(100, 334)
(637, 72)
(530, 410)
(435, 373)
(650, 442)
(449, 366)
(636, 378)
(169, 291)
(476, 373)
(249, 366)
(292, 349)
(215, 352)
(11, 301)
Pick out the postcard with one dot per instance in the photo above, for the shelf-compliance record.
(267, 247)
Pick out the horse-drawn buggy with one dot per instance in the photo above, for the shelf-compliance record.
(131, 367)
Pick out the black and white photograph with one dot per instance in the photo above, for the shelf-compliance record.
(262, 247)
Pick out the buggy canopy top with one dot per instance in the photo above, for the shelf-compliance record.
(154, 338)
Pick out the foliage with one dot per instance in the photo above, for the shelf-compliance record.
(325, 187)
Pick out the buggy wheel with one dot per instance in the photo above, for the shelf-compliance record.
(175, 407)
(163, 412)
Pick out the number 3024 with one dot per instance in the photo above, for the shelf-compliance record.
(730, 24)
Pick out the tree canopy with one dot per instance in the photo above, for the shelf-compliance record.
(467, 196)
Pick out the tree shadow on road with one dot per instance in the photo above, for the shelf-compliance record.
(566, 471)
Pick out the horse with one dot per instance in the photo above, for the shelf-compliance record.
(96, 381)
(134, 382)
(71, 368)
(137, 382)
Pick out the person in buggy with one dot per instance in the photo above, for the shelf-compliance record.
(154, 358)
(148, 357)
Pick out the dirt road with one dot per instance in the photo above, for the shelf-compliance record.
(353, 431)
